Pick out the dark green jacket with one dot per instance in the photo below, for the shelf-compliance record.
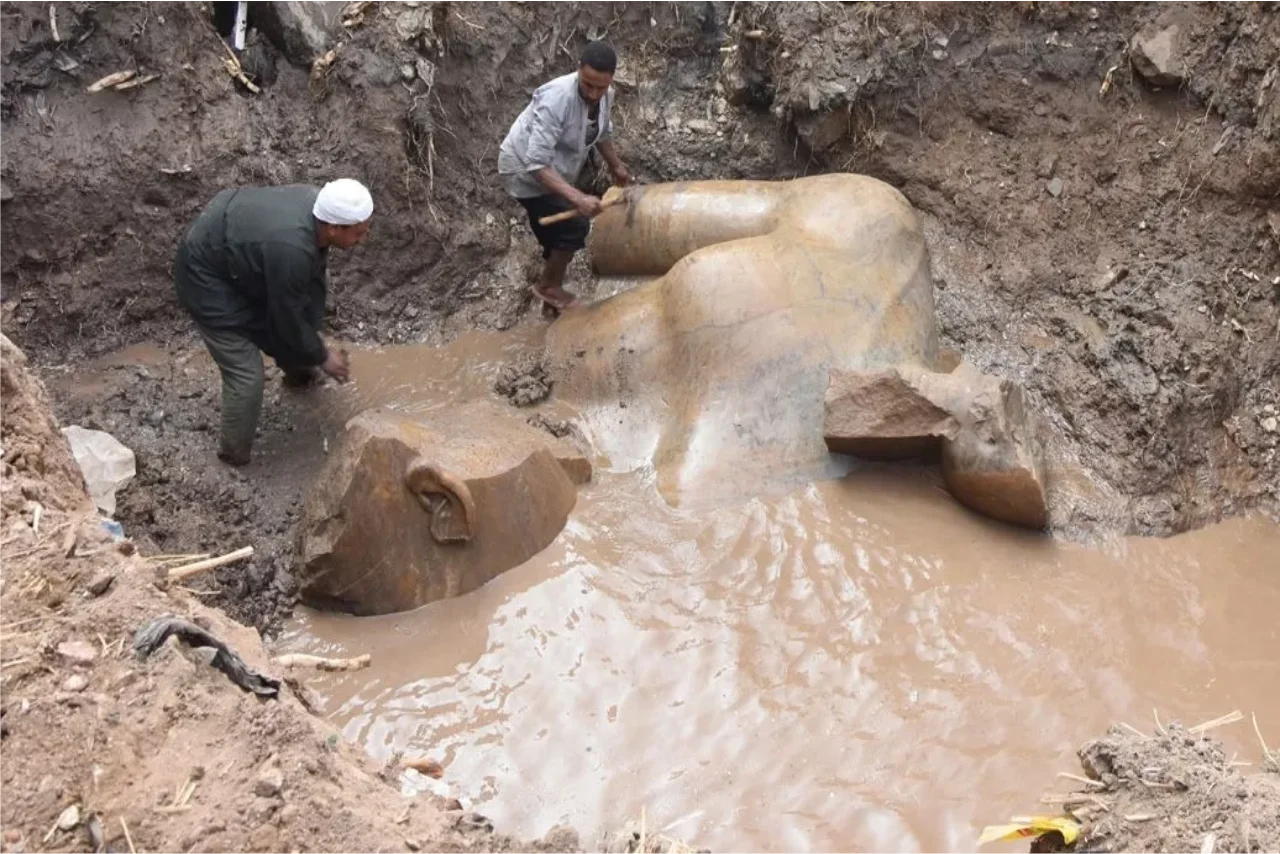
(250, 263)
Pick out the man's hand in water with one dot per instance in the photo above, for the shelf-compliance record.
(336, 365)
(588, 206)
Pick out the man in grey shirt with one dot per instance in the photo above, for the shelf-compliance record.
(544, 153)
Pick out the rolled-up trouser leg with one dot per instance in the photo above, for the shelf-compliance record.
(240, 363)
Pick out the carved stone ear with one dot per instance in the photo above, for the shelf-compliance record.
(445, 498)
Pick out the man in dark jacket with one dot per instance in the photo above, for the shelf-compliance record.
(251, 271)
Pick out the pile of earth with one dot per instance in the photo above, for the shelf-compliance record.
(1173, 790)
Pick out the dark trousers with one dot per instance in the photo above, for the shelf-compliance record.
(569, 235)
(240, 362)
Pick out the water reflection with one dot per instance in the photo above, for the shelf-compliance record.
(860, 664)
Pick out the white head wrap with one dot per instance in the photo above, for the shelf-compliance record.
(343, 202)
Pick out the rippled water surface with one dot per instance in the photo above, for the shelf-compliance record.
(859, 664)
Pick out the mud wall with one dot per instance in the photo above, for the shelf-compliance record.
(1111, 243)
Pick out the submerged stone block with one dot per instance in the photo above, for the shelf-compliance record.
(994, 465)
(412, 510)
(883, 415)
(991, 455)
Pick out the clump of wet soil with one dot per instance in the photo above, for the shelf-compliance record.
(558, 428)
(1176, 790)
(524, 382)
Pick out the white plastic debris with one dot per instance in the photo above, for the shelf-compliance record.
(107, 465)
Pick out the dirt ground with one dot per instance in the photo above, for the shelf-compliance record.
(1118, 252)
(1175, 790)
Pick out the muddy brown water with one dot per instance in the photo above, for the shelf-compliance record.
(858, 664)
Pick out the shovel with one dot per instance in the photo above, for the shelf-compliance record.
(612, 196)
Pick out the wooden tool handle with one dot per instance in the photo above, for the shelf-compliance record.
(560, 217)
(611, 197)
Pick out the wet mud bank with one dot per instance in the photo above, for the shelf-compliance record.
(1177, 789)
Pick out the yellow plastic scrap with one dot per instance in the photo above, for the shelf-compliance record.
(1031, 827)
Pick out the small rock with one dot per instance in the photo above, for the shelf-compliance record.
(101, 583)
(408, 72)
(1055, 187)
(489, 219)
(1047, 166)
(1270, 424)
(472, 822)
(700, 126)
(412, 844)
(263, 809)
(1041, 110)
(75, 683)
(410, 24)
(426, 71)
(269, 783)
(1158, 55)
(70, 818)
(78, 652)
(156, 418)
(453, 805)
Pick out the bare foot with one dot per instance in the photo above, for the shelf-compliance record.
(557, 298)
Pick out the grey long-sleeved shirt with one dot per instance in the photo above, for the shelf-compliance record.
(552, 131)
